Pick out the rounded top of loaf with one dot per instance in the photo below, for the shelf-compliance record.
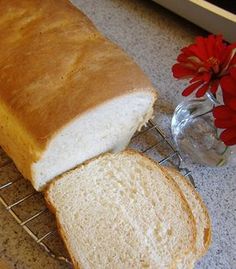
(55, 66)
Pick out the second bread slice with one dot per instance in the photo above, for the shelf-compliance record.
(200, 213)
(121, 211)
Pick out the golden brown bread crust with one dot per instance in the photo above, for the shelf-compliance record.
(54, 66)
(207, 231)
(53, 210)
(53, 61)
(202, 235)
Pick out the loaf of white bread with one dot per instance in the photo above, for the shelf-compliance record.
(67, 93)
(125, 211)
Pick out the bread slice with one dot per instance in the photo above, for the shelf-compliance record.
(121, 211)
(67, 93)
(201, 216)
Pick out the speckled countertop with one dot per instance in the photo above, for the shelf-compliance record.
(153, 37)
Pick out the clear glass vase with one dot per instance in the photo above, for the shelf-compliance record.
(195, 135)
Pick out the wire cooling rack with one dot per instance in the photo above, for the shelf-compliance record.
(28, 206)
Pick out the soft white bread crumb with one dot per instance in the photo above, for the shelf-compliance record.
(121, 211)
(108, 127)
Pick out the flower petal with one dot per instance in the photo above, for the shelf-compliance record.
(232, 104)
(233, 73)
(230, 101)
(186, 51)
(228, 134)
(182, 58)
(210, 45)
(228, 84)
(214, 86)
(219, 46)
(199, 48)
(202, 90)
(191, 88)
(227, 57)
(225, 123)
(180, 71)
(222, 112)
(233, 61)
(230, 142)
(204, 77)
(198, 77)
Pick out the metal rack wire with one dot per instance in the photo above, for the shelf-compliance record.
(28, 207)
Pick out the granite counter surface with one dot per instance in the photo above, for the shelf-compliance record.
(153, 37)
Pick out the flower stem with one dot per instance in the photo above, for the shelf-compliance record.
(203, 114)
(221, 162)
(226, 148)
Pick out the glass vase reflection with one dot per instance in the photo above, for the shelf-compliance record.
(196, 136)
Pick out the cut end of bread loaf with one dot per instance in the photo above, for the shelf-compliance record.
(108, 127)
(121, 211)
(88, 99)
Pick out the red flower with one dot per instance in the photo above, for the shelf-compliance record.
(206, 62)
(228, 82)
(225, 118)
